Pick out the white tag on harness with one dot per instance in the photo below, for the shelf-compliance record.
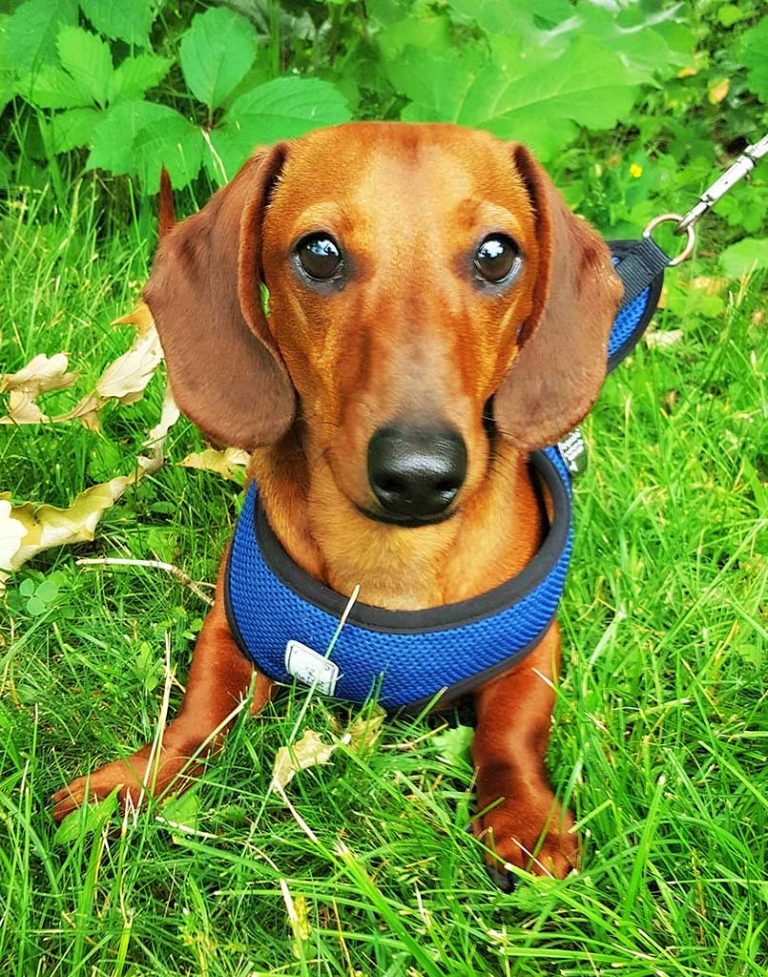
(310, 667)
(573, 451)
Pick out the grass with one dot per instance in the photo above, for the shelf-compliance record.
(659, 744)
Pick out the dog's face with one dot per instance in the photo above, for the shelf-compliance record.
(427, 289)
(399, 274)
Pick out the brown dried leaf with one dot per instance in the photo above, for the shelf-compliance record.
(126, 378)
(658, 339)
(44, 526)
(227, 463)
(309, 751)
(718, 90)
(363, 732)
(41, 374)
(23, 409)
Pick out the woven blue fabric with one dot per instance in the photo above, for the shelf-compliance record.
(271, 605)
(403, 669)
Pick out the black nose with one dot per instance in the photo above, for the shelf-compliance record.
(416, 473)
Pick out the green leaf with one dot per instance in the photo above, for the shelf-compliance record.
(755, 58)
(745, 256)
(27, 587)
(115, 134)
(729, 14)
(140, 137)
(86, 820)
(88, 60)
(454, 744)
(52, 88)
(510, 16)
(280, 109)
(135, 75)
(176, 144)
(48, 590)
(183, 811)
(538, 95)
(31, 32)
(35, 606)
(216, 53)
(6, 65)
(129, 22)
(73, 129)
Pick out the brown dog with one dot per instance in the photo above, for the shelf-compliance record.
(414, 273)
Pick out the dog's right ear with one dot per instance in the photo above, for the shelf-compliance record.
(225, 371)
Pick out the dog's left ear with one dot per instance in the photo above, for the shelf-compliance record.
(561, 364)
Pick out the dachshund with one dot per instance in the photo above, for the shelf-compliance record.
(435, 313)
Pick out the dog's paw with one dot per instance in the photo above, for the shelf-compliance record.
(132, 778)
(536, 835)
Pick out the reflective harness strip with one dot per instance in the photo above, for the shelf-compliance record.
(285, 620)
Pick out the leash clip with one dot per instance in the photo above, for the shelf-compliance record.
(742, 165)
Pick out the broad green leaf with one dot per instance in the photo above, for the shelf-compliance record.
(538, 95)
(280, 109)
(175, 143)
(129, 22)
(74, 128)
(647, 43)
(431, 32)
(508, 16)
(745, 256)
(31, 31)
(88, 60)
(51, 87)
(136, 75)
(216, 53)
(114, 136)
(755, 57)
(437, 85)
(6, 64)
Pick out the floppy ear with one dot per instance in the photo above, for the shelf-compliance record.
(561, 364)
(225, 371)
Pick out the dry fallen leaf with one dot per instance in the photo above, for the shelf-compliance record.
(42, 374)
(309, 751)
(12, 532)
(363, 732)
(23, 409)
(718, 91)
(658, 339)
(169, 414)
(224, 463)
(125, 378)
(43, 525)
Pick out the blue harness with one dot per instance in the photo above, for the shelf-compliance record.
(287, 622)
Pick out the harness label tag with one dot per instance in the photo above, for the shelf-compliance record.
(310, 667)
(573, 451)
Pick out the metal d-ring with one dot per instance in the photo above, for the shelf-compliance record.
(689, 231)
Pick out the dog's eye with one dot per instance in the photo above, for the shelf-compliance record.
(319, 256)
(496, 258)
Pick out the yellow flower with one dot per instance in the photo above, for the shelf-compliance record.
(635, 170)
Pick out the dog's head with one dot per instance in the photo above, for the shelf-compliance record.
(428, 290)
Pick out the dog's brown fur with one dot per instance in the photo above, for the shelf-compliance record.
(411, 335)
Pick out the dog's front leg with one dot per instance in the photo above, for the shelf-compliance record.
(522, 822)
(219, 679)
